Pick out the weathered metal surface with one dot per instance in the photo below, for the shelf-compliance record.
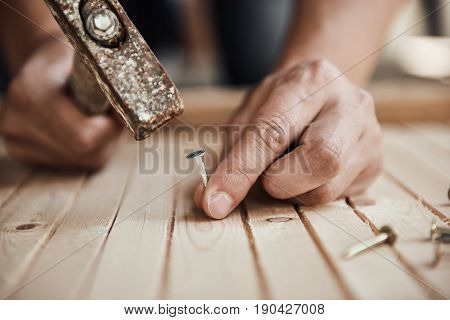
(129, 75)
(85, 90)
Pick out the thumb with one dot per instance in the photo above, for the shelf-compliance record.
(260, 145)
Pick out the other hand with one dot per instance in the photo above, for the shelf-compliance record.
(334, 123)
(40, 123)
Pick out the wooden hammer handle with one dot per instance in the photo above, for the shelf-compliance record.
(85, 90)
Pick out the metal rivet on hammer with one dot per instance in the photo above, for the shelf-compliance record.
(102, 24)
(198, 156)
(386, 235)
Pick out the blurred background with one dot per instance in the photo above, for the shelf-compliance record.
(199, 46)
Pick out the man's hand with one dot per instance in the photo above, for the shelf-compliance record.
(334, 123)
(40, 123)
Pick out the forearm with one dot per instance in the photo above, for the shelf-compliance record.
(341, 31)
(23, 25)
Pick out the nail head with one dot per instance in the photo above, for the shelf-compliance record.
(196, 154)
(392, 236)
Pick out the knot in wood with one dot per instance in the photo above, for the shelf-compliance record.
(279, 219)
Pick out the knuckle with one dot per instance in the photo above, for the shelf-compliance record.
(16, 94)
(320, 64)
(244, 176)
(272, 188)
(14, 152)
(364, 98)
(282, 86)
(377, 134)
(323, 157)
(272, 133)
(378, 166)
(268, 80)
(294, 75)
(322, 195)
(319, 73)
(98, 160)
(322, 69)
(84, 144)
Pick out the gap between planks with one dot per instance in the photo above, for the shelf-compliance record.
(42, 240)
(262, 280)
(351, 275)
(423, 173)
(84, 286)
(163, 291)
(416, 196)
(265, 293)
(409, 268)
(326, 256)
(77, 235)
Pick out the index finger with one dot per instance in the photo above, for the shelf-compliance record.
(277, 124)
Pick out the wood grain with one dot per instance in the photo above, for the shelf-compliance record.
(209, 259)
(437, 132)
(131, 230)
(69, 256)
(395, 100)
(385, 203)
(29, 219)
(422, 173)
(134, 251)
(292, 264)
(376, 274)
(411, 99)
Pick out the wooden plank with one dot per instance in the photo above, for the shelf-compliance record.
(438, 132)
(418, 174)
(376, 274)
(29, 219)
(396, 100)
(212, 105)
(290, 261)
(67, 259)
(433, 154)
(210, 259)
(207, 258)
(134, 252)
(385, 203)
(410, 99)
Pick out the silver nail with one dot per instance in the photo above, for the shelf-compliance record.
(198, 156)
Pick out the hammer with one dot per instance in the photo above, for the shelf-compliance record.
(114, 65)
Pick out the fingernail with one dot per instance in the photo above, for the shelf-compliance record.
(219, 205)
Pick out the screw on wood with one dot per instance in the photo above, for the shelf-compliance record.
(199, 158)
(386, 235)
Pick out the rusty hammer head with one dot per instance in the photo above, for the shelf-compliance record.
(119, 60)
